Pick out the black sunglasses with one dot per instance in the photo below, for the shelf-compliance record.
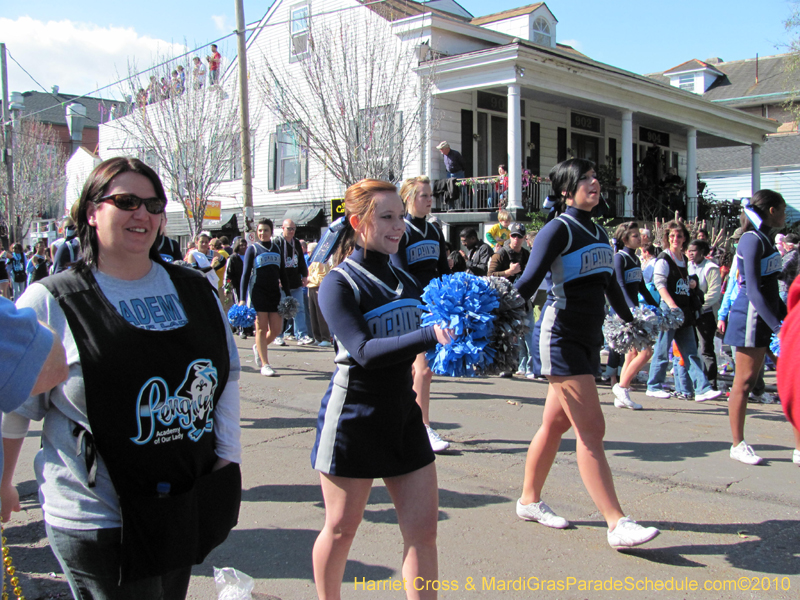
(130, 202)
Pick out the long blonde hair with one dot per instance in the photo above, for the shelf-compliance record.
(359, 199)
(408, 191)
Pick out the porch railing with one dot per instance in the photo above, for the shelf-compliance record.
(487, 194)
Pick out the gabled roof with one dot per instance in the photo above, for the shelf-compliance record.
(777, 151)
(738, 78)
(692, 65)
(52, 108)
(507, 14)
(394, 10)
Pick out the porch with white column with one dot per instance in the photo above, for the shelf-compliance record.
(627, 161)
(691, 173)
(755, 168)
(514, 150)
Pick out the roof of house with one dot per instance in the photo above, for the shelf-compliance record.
(777, 151)
(738, 79)
(394, 10)
(692, 65)
(52, 108)
(507, 14)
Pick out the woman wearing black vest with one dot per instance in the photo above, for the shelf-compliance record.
(671, 278)
(138, 470)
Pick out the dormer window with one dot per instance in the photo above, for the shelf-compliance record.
(541, 32)
(686, 82)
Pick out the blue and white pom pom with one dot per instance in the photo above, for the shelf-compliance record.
(465, 304)
(672, 319)
(775, 344)
(509, 327)
(287, 307)
(241, 316)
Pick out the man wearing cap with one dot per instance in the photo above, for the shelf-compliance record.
(510, 259)
(453, 161)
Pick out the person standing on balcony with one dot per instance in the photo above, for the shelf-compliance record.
(214, 60)
(453, 161)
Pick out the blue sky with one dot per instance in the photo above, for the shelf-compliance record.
(81, 45)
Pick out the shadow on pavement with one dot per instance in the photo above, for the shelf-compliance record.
(280, 423)
(278, 554)
(765, 547)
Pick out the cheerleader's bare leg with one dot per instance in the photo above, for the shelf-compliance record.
(748, 366)
(345, 500)
(579, 399)
(544, 447)
(416, 499)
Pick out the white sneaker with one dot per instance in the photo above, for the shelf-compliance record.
(745, 454)
(539, 511)
(267, 371)
(256, 357)
(437, 443)
(657, 394)
(628, 533)
(305, 341)
(324, 344)
(767, 398)
(622, 398)
(709, 395)
(279, 341)
(796, 457)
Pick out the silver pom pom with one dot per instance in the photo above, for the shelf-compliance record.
(288, 307)
(672, 319)
(509, 327)
(639, 334)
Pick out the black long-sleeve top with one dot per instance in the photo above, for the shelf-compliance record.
(577, 254)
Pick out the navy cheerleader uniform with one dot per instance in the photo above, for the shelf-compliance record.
(755, 314)
(421, 251)
(369, 424)
(578, 256)
(263, 274)
(628, 269)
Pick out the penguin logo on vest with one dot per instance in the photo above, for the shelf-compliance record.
(156, 409)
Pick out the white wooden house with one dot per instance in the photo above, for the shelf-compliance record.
(505, 93)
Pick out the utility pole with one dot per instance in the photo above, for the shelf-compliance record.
(244, 118)
(11, 214)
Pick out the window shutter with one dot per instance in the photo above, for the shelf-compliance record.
(303, 158)
(562, 144)
(467, 141)
(273, 150)
(396, 161)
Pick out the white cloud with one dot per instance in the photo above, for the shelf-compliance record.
(221, 23)
(78, 57)
(574, 43)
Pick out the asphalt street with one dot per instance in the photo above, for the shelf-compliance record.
(728, 530)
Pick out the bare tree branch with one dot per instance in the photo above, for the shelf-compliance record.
(190, 136)
(353, 94)
(39, 173)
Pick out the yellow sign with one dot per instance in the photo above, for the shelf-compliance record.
(212, 213)
(213, 210)
(337, 208)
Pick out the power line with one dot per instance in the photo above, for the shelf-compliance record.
(248, 28)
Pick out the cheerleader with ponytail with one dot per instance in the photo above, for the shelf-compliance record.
(757, 311)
